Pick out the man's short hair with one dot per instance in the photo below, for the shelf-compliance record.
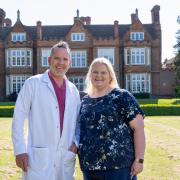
(61, 44)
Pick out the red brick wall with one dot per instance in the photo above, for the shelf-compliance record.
(167, 82)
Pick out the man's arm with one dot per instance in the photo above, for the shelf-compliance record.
(21, 111)
(75, 144)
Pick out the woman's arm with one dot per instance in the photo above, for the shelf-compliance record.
(137, 124)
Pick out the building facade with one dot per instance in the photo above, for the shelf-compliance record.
(134, 50)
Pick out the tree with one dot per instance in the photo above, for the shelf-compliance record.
(177, 62)
(177, 56)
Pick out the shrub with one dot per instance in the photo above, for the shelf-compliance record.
(12, 97)
(177, 91)
(161, 110)
(141, 95)
(6, 111)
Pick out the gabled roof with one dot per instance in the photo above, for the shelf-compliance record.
(104, 31)
(150, 29)
(60, 31)
(31, 30)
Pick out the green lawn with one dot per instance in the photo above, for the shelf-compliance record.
(162, 158)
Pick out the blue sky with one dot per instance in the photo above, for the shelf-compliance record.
(60, 12)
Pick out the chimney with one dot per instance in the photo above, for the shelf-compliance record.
(88, 20)
(116, 29)
(83, 20)
(39, 30)
(8, 22)
(134, 17)
(155, 14)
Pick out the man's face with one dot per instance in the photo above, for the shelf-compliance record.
(59, 62)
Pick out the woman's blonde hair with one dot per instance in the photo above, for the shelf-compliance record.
(107, 63)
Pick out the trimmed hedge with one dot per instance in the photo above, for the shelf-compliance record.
(149, 110)
(161, 110)
(141, 95)
(6, 111)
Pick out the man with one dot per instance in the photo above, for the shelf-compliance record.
(51, 104)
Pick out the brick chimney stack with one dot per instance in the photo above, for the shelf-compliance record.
(88, 20)
(155, 14)
(134, 17)
(39, 30)
(116, 29)
(8, 22)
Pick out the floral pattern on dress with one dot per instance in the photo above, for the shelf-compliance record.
(106, 139)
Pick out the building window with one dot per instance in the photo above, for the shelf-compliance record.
(19, 57)
(77, 37)
(45, 53)
(14, 83)
(137, 56)
(137, 36)
(138, 83)
(79, 59)
(107, 53)
(18, 37)
(79, 82)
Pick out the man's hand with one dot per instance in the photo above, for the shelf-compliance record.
(22, 161)
(73, 148)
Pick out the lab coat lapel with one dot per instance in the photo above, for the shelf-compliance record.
(47, 80)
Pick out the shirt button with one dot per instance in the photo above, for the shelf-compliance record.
(56, 107)
(57, 126)
(54, 165)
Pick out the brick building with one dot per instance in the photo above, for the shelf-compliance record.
(134, 50)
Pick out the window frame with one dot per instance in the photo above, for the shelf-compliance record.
(19, 57)
(14, 83)
(130, 54)
(75, 56)
(135, 81)
(18, 36)
(79, 36)
(78, 84)
(45, 51)
(101, 53)
(137, 36)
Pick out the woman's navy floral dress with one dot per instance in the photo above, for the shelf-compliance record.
(106, 139)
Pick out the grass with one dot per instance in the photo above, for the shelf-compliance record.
(162, 158)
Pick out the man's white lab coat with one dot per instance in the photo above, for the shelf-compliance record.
(47, 151)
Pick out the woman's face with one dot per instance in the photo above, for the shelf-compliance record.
(100, 76)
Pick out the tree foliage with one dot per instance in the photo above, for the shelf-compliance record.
(177, 57)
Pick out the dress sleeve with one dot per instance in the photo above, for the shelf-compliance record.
(131, 106)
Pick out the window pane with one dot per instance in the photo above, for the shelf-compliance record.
(139, 82)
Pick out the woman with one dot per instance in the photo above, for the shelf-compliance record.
(112, 140)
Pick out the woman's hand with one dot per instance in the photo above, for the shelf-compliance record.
(136, 168)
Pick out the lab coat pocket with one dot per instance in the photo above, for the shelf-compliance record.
(39, 160)
(69, 163)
